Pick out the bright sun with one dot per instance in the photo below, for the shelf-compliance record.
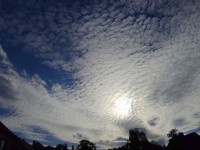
(122, 106)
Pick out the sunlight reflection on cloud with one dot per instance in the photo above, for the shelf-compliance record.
(122, 106)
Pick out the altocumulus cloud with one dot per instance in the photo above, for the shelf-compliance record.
(143, 53)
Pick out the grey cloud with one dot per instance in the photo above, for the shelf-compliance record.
(129, 123)
(179, 83)
(179, 122)
(102, 142)
(196, 115)
(160, 141)
(7, 91)
(4, 61)
(63, 126)
(78, 136)
(153, 122)
(121, 139)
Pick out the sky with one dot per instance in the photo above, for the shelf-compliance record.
(94, 69)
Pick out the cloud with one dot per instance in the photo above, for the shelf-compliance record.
(6, 90)
(144, 52)
(3, 58)
(36, 106)
(180, 122)
(153, 122)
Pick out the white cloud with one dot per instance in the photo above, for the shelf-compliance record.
(3, 58)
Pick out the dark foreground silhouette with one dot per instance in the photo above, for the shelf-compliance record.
(177, 141)
(137, 141)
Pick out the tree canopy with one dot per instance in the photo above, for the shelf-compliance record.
(86, 145)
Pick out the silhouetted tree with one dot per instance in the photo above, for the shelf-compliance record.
(37, 146)
(176, 140)
(65, 147)
(49, 148)
(72, 147)
(172, 133)
(61, 147)
(86, 145)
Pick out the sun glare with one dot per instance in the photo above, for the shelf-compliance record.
(122, 106)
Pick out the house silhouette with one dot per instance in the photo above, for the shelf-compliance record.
(188, 142)
(9, 141)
